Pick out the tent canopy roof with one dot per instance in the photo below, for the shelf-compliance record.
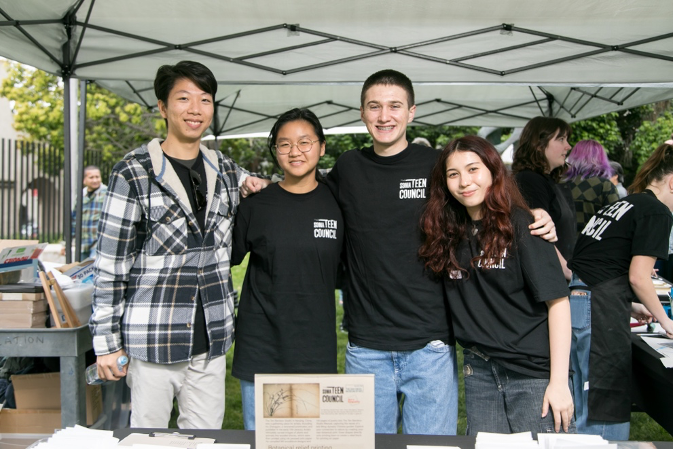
(484, 62)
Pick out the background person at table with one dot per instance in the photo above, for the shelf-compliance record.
(294, 232)
(93, 195)
(538, 163)
(617, 178)
(587, 177)
(162, 294)
(615, 255)
(507, 295)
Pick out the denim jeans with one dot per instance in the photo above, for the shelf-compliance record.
(248, 403)
(424, 380)
(580, 307)
(503, 401)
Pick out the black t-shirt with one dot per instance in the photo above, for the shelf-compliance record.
(393, 305)
(200, 342)
(637, 225)
(502, 310)
(541, 192)
(286, 319)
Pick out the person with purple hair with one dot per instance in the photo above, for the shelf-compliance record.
(587, 177)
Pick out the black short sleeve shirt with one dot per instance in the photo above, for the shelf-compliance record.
(637, 225)
(501, 309)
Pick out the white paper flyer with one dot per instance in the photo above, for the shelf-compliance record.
(315, 411)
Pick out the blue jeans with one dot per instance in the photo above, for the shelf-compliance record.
(503, 401)
(424, 380)
(248, 403)
(580, 307)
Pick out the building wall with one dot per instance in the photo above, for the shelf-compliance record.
(7, 131)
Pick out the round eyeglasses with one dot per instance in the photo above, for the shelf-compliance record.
(304, 145)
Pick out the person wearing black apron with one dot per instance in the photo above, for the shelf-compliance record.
(614, 255)
(538, 163)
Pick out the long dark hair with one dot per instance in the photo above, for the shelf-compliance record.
(445, 220)
(658, 166)
(532, 144)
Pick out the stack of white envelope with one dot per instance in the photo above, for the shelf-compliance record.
(485, 440)
(523, 440)
(578, 441)
(79, 437)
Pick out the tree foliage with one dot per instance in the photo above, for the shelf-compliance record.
(113, 125)
(629, 136)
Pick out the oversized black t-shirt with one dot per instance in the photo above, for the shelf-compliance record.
(502, 309)
(637, 225)
(394, 305)
(182, 167)
(286, 318)
(541, 192)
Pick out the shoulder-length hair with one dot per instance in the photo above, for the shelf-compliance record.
(445, 220)
(658, 166)
(530, 154)
(588, 159)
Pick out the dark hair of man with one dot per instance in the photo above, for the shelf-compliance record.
(90, 168)
(389, 77)
(530, 154)
(617, 169)
(656, 167)
(295, 114)
(445, 221)
(168, 75)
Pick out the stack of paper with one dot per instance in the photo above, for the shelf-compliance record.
(79, 437)
(523, 440)
(578, 441)
(663, 346)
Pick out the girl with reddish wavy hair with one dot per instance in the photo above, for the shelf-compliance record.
(505, 291)
(446, 220)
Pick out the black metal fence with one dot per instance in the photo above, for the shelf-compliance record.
(32, 189)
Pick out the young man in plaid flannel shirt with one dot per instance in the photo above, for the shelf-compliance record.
(163, 295)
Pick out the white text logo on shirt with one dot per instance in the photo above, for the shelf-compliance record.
(325, 229)
(597, 224)
(494, 264)
(412, 188)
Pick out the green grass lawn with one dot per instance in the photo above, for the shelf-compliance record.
(642, 428)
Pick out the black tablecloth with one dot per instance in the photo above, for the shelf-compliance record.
(381, 441)
(652, 384)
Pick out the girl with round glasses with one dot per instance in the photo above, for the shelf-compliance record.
(293, 231)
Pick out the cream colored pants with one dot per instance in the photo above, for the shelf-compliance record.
(197, 385)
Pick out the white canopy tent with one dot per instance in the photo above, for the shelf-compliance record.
(480, 62)
(483, 62)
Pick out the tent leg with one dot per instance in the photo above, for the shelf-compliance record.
(67, 206)
(80, 166)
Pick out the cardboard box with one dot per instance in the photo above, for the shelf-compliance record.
(22, 320)
(79, 272)
(43, 392)
(29, 421)
(36, 306)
